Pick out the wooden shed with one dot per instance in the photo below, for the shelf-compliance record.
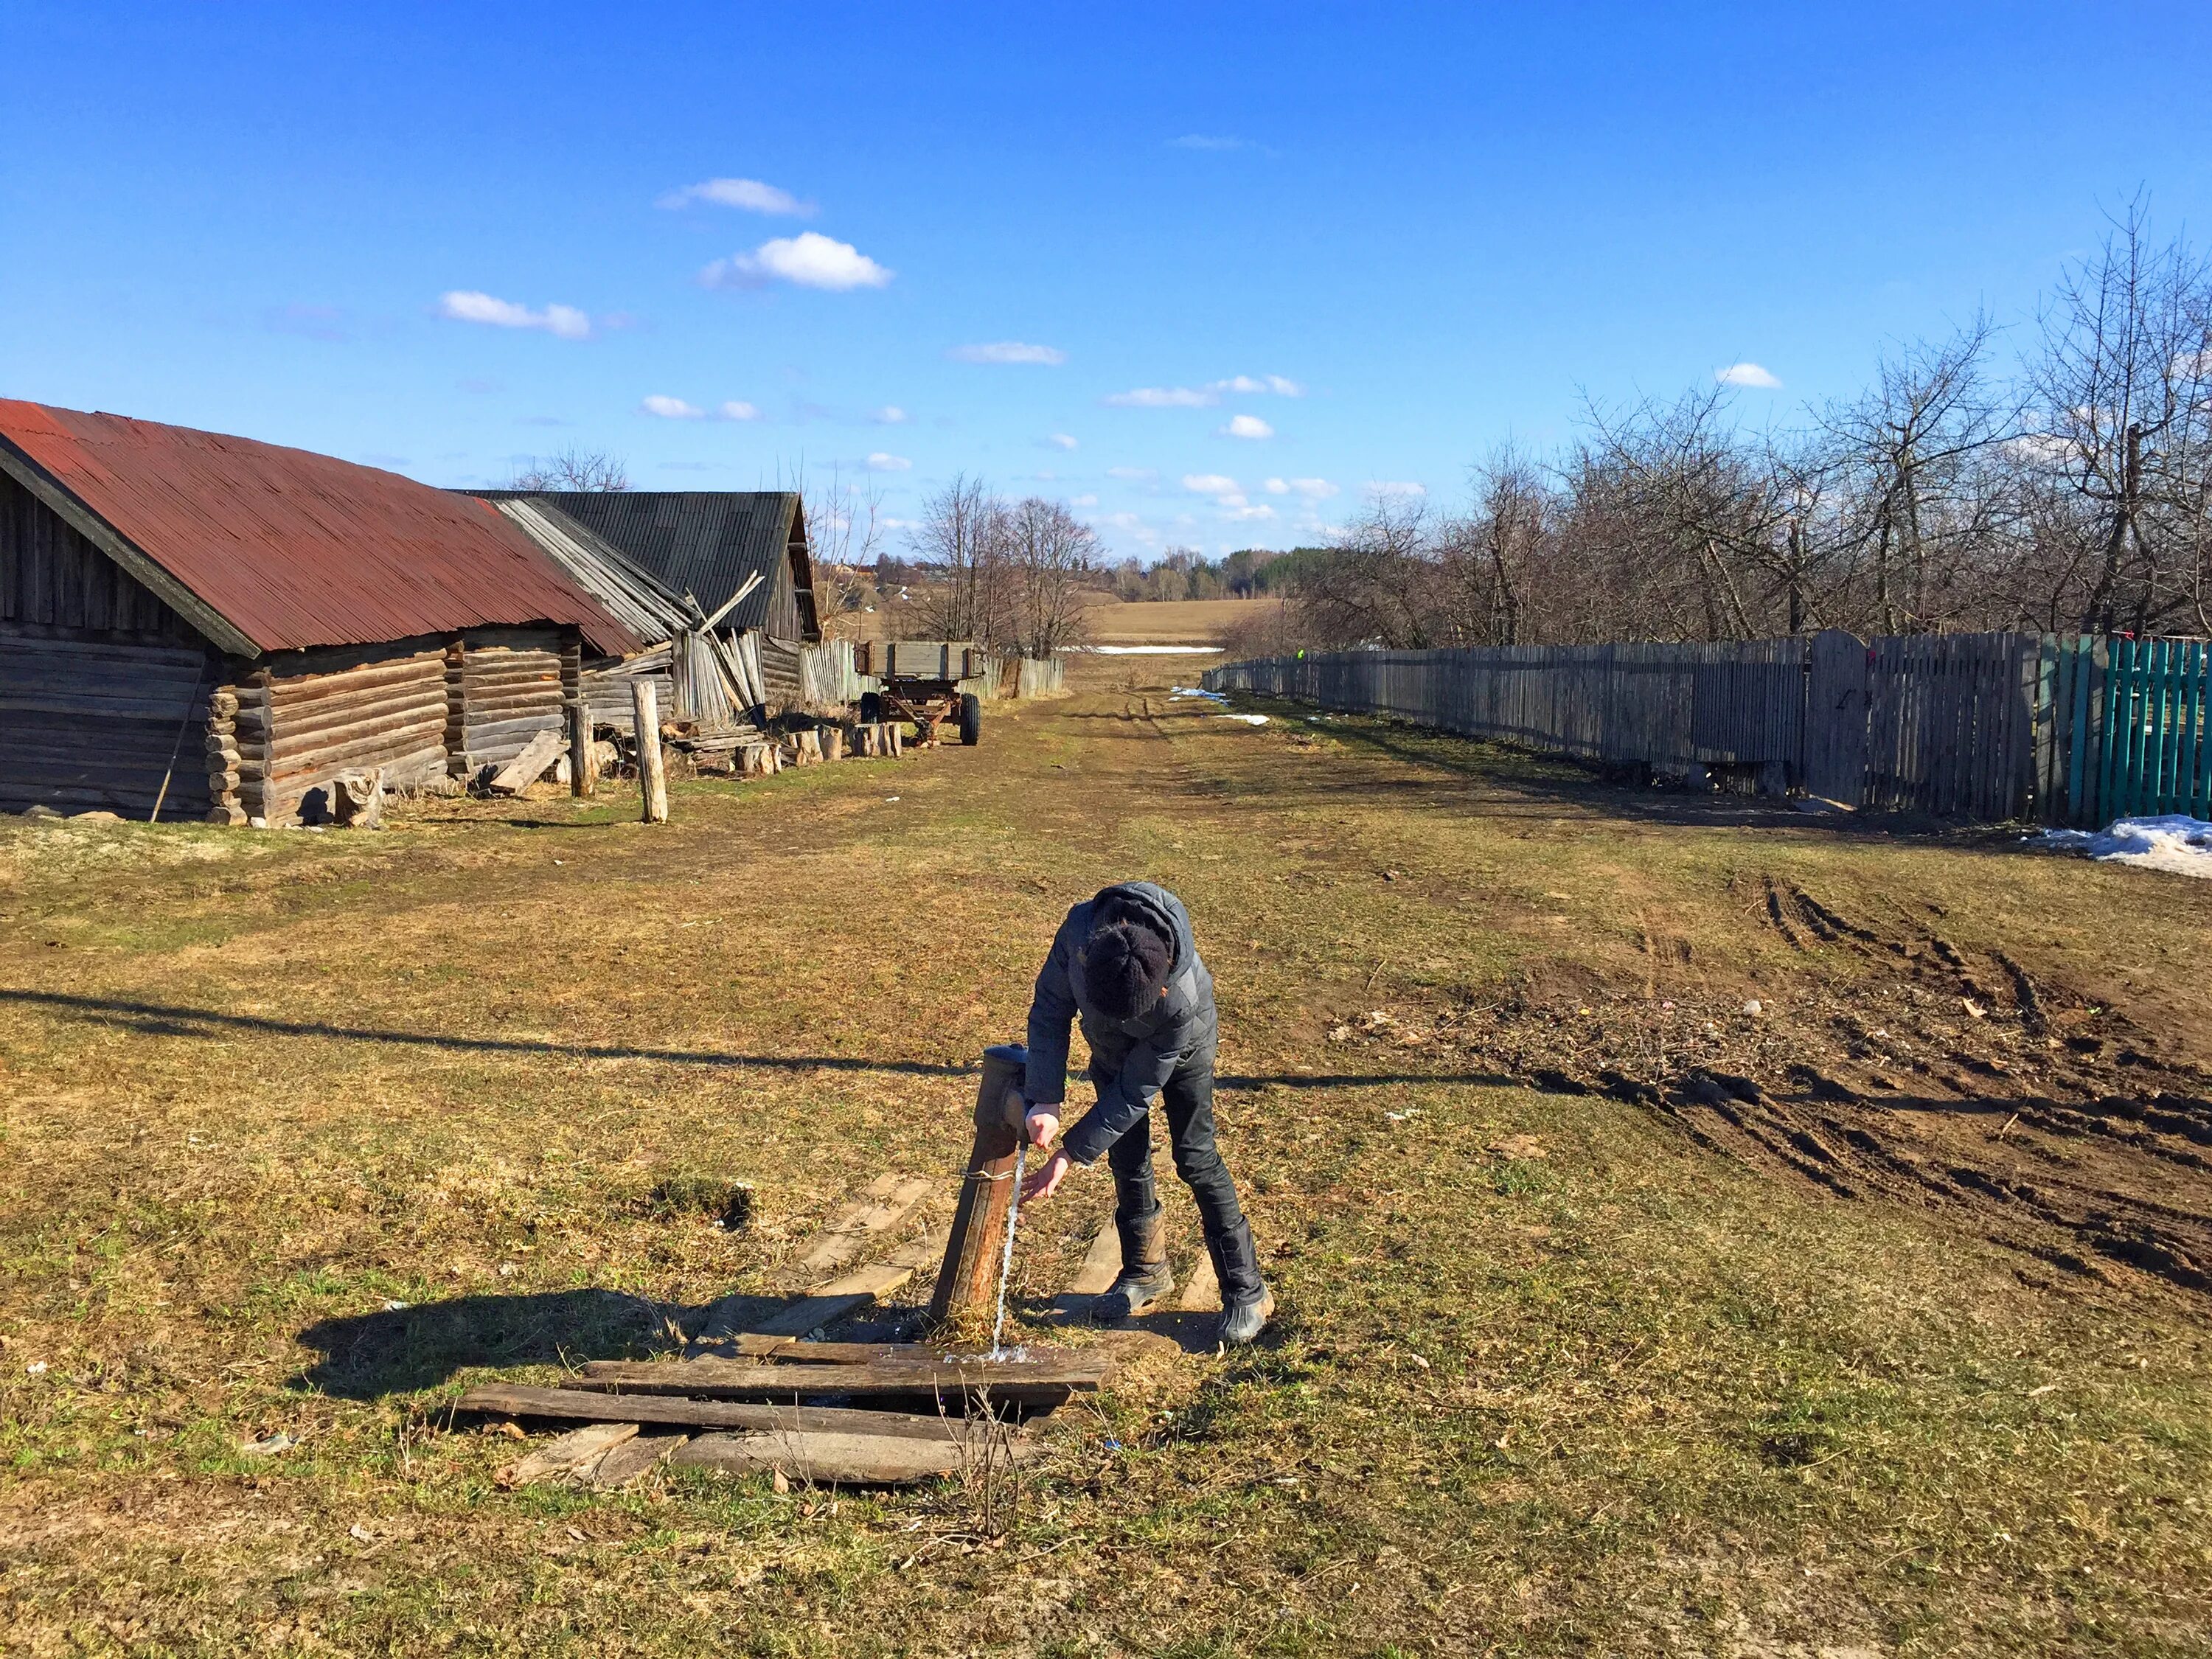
(708, 544)
(198, 625)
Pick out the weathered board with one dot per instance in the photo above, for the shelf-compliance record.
(587, 1406)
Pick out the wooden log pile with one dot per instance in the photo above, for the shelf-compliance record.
(761, 1411)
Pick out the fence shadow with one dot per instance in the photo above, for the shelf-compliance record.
(1526, 784)
(405, 1350)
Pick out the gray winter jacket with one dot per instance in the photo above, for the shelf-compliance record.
(1131, 1060)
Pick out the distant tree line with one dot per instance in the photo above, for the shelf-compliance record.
(2066, 491)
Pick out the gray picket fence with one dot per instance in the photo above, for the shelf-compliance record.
(2064, 728)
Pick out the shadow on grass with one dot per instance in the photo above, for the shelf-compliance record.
(403, 1350)
(169, 1019)
(165, 1019)
(1609, 790)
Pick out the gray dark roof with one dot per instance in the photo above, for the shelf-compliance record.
(702, 542)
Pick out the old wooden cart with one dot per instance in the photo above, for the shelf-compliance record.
(922, 681)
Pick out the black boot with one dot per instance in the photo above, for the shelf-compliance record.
(1145, 1279)
(1246, 1301)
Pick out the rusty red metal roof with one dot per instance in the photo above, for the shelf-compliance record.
(294, 548)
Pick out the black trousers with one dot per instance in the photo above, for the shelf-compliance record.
(1188, 1100)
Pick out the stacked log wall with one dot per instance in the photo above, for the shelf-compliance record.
(511, 687)
(307, 716)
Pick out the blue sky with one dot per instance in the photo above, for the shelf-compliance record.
(1338, 245)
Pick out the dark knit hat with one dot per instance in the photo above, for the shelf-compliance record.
(1124, 966)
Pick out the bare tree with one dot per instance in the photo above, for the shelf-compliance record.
(2121, 404)
(1926, 508)
(1676, 508)
(1381, 587)
(962, 532)
(1051, 552)
(573, 468)
(844, 534)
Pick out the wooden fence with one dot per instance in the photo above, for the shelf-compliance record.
(2068, 729)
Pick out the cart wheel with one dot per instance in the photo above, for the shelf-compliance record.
(872, 709)
(971, 718)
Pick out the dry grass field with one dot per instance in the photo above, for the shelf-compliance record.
(1170, 622)
(1615, 1316)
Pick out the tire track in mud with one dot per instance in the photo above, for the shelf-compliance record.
(2097, 1152)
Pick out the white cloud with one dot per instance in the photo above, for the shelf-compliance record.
(1209, 483)
(809, 259)
(1206, 396)
(1249, 384)
(468, 306)
(1009, 351)
(889, 415)
(1082, 501)
(1061, 441)
(1748, 374)
(880, 462)
(737, 410)
(1247, 426)
(1314, 489)
(672, 409)
(1131, 474)
(1393, 486)
(748, 194)
(1163, 397)
(1237, 510)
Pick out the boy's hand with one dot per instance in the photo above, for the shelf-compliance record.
(1044, 1182)
(1042, 1123)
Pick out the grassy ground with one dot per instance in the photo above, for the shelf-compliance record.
(1555, 1371)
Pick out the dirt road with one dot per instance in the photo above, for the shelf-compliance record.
(1616, 1315)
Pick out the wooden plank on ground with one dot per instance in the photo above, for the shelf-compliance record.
(526, 768)
(1202, 1291)
(1101, 1263)
(840, 1297)
(573, 1453)
(842, 1460)
(881, 1205)
(588, 1405)
(920, 1372)
(635, 1456)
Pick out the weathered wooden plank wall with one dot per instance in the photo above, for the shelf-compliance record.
(2069, 729)
(89, 726)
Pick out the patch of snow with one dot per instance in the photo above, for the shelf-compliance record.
(2180, 845)
(1178, 693)
(1248, 720)
(1152, 650)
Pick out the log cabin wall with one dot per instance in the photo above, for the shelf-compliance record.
(306, 716)
(104, 688)
(511, 690)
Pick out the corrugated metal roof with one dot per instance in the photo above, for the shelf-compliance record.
(636, 598)
(701, 542)
(292, 548)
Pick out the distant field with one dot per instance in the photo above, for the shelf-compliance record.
(1192, 621)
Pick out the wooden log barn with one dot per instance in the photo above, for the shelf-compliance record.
(707, 544)
(193, 625)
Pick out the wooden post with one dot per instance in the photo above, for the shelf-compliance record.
(833, 743)
(652, 781)
(968, 1283)
(583, 767)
